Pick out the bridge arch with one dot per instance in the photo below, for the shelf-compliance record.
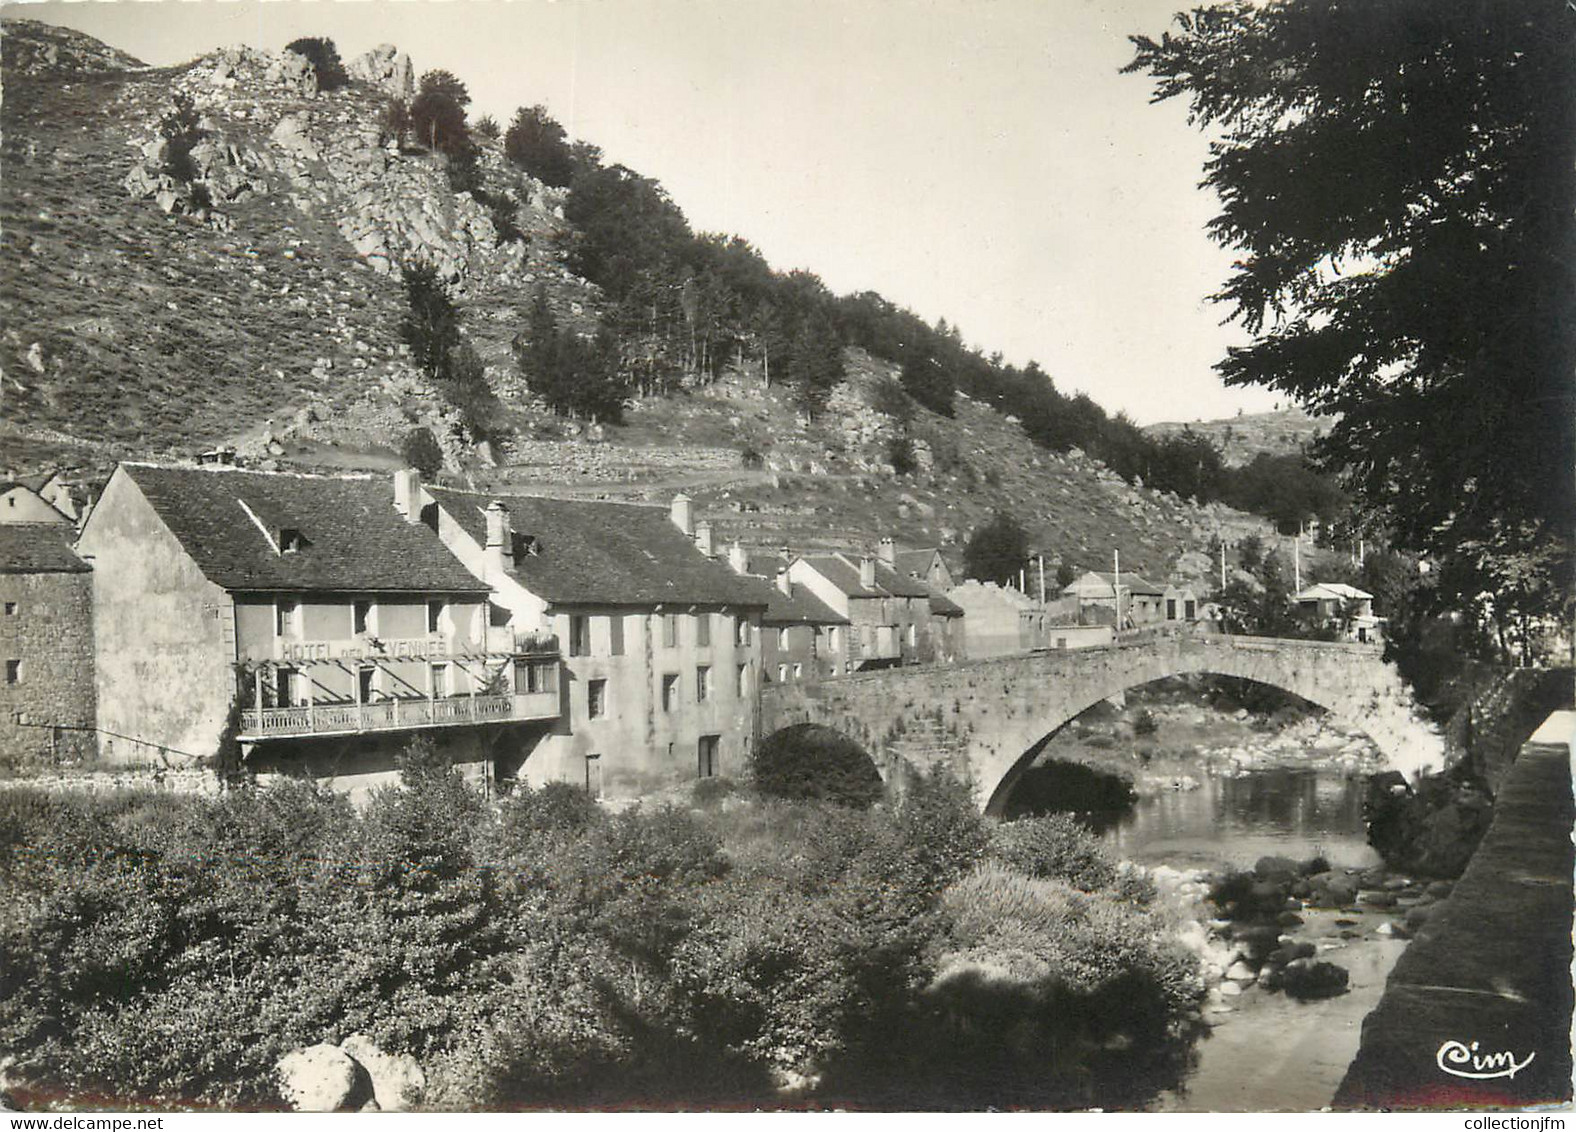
(982, 717)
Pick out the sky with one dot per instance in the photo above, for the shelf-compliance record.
(981, 161)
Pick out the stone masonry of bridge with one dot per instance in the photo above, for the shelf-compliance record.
(981, 719)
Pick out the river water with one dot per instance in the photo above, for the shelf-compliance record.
(1265, 1051)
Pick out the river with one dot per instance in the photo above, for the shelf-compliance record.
(1265, 1050)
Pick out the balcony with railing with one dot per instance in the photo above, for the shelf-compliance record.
(303, 692)
(400, 714)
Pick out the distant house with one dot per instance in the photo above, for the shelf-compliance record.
(1001, 621)
(889, 615)
(927, 565)
(20, 502)
(802, 638)
(661, 642)
(1341, 605)
(1182, 603)
(46, 645)
(1099, 593)
(296, 623)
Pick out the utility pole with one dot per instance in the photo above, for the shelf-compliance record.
(1296, 565)
(1116, 585)
(1042, 579)
(1222, 564)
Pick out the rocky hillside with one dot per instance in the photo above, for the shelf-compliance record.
(259, 306)
(1240, 438)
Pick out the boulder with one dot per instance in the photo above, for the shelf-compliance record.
(1289, 953)
(1308, 979)
(1289, 920)
(397, 1079)
(321, 1078)
(1240, 972)
(386, 68)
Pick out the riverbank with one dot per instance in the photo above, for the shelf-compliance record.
(1289, 990)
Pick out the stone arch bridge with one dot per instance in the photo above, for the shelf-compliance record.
(982, 718)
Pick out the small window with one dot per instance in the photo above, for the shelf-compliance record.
(361, 614)
(834, 639)
(741, 632)
(782, 640)
(435, 611)
(798, 671)
(702, 684)
(579, 635)
(782, 674)
(289, 540)
(596, 698)
(286, 618)
(744, 680)
(13, 672)
(913, 634)
(703, 630)
(708, 755)
(10, 609)
(531, 677)
(670, 691)
(365, 678)
(615, 635)
(440, 680)
(670, 630)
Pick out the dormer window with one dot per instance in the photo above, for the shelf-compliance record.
(526, 544)
(290, 540)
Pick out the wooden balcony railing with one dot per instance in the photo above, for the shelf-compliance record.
(397, 715)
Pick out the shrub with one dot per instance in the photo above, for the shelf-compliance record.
(181, 132)
(1145, 723)
(1054, 847)
(808, 761)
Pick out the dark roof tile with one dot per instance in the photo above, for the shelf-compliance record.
(39, 548)
(597, 553)
(353, 539)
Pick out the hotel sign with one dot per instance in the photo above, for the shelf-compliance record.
(364, 648)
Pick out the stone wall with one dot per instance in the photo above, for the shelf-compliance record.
(47, 628)
(983, 717)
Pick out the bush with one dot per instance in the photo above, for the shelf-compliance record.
(1054, 847)
(181, 132)
(1145, 723)
(808, 761)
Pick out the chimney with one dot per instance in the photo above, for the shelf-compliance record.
(782, 581)
(739, 560)
(500, 540)
(407, 494)
(683, 513)
(888, 552)
(703, 538)
(867, 572)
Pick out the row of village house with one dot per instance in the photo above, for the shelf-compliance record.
(289, 622)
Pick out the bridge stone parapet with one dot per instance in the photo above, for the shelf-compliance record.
(982, 718)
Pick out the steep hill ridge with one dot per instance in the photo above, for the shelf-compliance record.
(1282, 432)
(142, 321)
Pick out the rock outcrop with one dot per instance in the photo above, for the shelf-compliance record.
(387, 69)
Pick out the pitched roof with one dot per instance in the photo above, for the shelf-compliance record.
(1131, 583)
(841, 573)
(801, 607)
(944, 605)
(914, 562)
(898, 583)
(595, 553)
(1333, 590)
(38, 548)
(352, 538)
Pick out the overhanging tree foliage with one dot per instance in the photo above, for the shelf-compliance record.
(1398, 181)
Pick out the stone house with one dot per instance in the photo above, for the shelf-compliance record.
(1182, 603)
(802, 638)
(1099, 592)
(274, 622)
(888, 614)
(1336, 603)
(46, 646)
(926, 564)
(661, 642)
